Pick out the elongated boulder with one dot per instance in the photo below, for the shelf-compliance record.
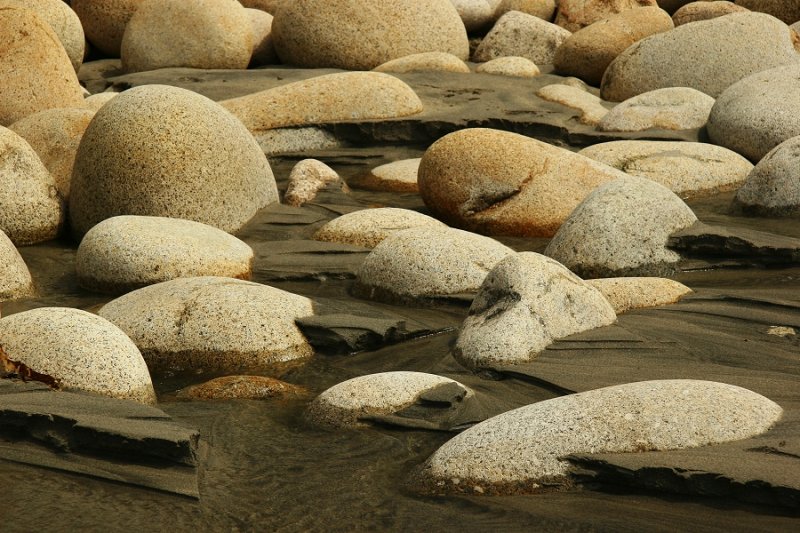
(104, 21)
(342, 97)
(704, 11)
(625, 294)
(743, 43)
(773, 186)
(515, 67)
(242, 388)
(576, 14)
(521, 35)
(77, 350)
(397, 176)
(212, 324)
(527, 302)
(193, 160)
(35, 70)
(672, 108)
(362, 34)
(522, 449)
(590, 107)
(369, 227)
(425, 62)
(501, 183)
(15, 279)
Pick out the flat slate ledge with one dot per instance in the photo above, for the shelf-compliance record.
(118, 440)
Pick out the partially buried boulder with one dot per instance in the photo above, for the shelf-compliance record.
(515, 67)
(212, 324)
(475, 14)
(104, 21)
(205, 34)
(621, 229)
(521, 35)
(397, 176)
(193, 160)
(308, 178)
(706, 10)
(427, 264)
(425, 62)
(773, 187)
(15, 279)
(362, 34)
(124, 253)
(576, 14)
(590, 108)
(35, 74)
(501, 183)
(527, 302)
(522, 450)
(625, 294)
(672, 108)
(369, 227)
(74, 349)
(743, 43)
(242, 388)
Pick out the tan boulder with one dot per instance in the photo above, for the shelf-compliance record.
(15, 279)
(425, 62)
(263, 43)
(308, 178)
(269, 6)
(544, 9)
(626, 294)
(104, 21)
(521, 35)
(397, 176)
(242, 388)
(369, 227)
(671, 108)
(695, 11)
(786, 10)
(590, 108)
(475, 14)
(515, 67)
(576, 14)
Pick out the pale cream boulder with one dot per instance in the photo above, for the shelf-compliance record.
(672, 108)
(96, 101)
(590, 107)
(35, 70)
(587, 53)
(397, 176)
(193, 160)
(544, 9)
(576, 14)
(212, 324)
(15, 279)
(124, 253)
(515, 67)
(307, 178)
(688, 169)
(362, 34)
(475, 14)
(55, 135)
(743, 44)
(104, 21)
(521, 35)
(786, 10)
(263, 43)
(523, 449)
(425, 62)
(425, 264)
(527, 302)
(369, 227)
(341, 97)
(501, 183)
(704, 11)
(207, 34)
(622, 229)
(626, 294)
(78, 350)
(773, 187)
(31, 210)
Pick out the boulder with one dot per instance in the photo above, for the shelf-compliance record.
(341, 97)
(576, 14)
(308, 178)
(743, 43)
(193, 160)
(104, 21)
(263, 43)
(31, 209)
(522, 450)
(369, 227)
(501, 183)
(35, 74)
(625, 294)
(786, 10)
(425, 62)
(621, 229)
(758, 113)
(773, 187)
(212, 324)
(426, 264)
(515, 67)
(74, 349)
(362, 34)
(350, 402)
(521, 35)
(544, 9)
(590, 107)
(124, 253)
(670, 6)
(686, 168)
(706, 10)
(672, 108)
(397, 176)
(96, 101)
(475, 14)
(527, 302)
(15, 279)
(587, 53)
(242, 388)
(55, 135)
(207, 34)
(268, 6)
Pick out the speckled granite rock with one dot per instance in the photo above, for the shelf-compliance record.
(786, 10)
(527, 302)
(475, 14)
(773, 186)
(269, 6)
(15, 279)
(576, 14)
(625, 294)
(194, 160)
(544, 9)
(96, 101)
(515, 67)
(424, 62)
(520, 450)
(588, 105)
(263, 43)
(104, 21)
(211, 324)
(79, 350)
(672, 108)
(362, 34)
(204, 34)
(705, 10)
(397, 176)
(368, 227)
(124, 253)
(308, 178)
(242, 388)
(522, 35)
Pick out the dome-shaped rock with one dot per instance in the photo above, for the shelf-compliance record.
(205, 34)
(521, 35)
(104, 21)
(501, 183)
(576, 14)
(516, 67)
(786, 10)
(15, 279)
(397, 176)
(78, 349)
(368, 227)
(527, 302)
(425, 62)
(706, 10)
(242, 388)
(308, 178)
(544, 9)
(475, 14)
(163, 151)
(672, 108)
(590, 108)
(263, 43)
(621, 229)
(625, 294)
(773, 187)
(362, 34)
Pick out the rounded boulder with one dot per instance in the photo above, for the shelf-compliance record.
(773, 187)
(369, 227)
(15, 279)
(104, 21)
(672, 108)
(704, 11)
(576, 14)
(521, 35)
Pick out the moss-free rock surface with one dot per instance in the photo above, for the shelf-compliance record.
(104, 21)
(773, 186)
(369, 227)
(671, 108)
(15, 279)
(521, 35)
(625, 294)
(576, 14)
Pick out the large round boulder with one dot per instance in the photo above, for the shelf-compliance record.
(35, 70)
(521, 35)
(15, 279)
(501, 183)
(576, 14)
(104, 21)
(773, 187)
(362, 34)
(162, 151)
(205, 34)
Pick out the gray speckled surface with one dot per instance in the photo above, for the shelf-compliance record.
(15, 279)
(523, 35)
(773, 186)
(369, 227)
(674, 108)
(625, 294)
